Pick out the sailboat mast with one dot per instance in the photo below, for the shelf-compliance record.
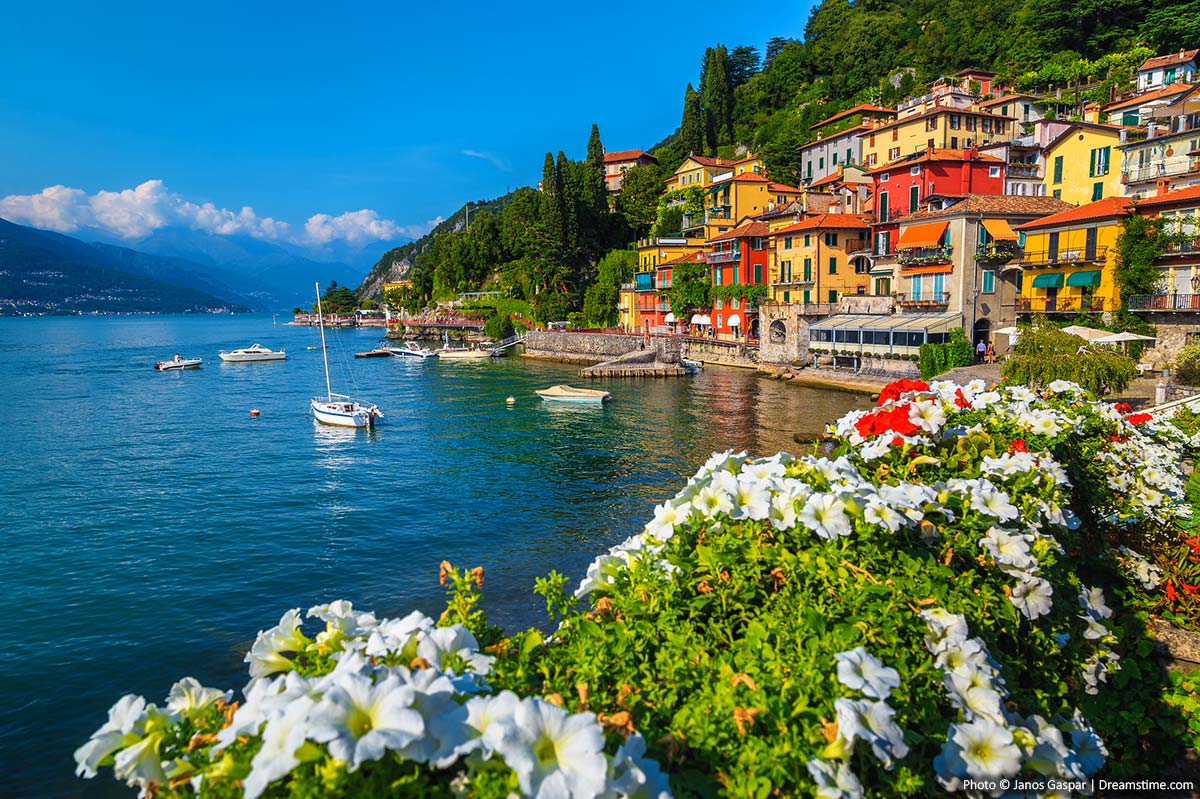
(324, 352)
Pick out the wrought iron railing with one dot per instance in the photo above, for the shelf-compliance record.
(722, 256)
(924, 255)
(997, 251)
(1165, 302)
(1051, 258)
(924, 299)
(1063, 304)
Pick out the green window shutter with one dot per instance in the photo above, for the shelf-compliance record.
(807, 240)
(787, 296)
(833, 295)
(1097, 191)
(1058, 169)
(1107, 161)
(989, 281)
(1092, 166)
(807, 269)
(807, 296)
(833, 266)
(758, 273)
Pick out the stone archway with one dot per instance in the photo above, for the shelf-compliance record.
(778, 331)
(983, 331)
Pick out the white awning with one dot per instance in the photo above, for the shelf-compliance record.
(735, 320)
(697, 319)
(670, 319)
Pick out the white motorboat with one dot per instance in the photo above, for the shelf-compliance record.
(339, 409)
(412, 349)
(255, 353)
(571, 394)
(178, 363)
(691, 366)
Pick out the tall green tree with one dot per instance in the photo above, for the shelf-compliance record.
(637, 202)
(717, 89)
(743, 64)
(692, 128)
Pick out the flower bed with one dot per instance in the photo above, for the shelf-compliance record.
(952, 595)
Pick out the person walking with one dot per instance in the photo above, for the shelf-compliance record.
(980, 349)
(989, 355)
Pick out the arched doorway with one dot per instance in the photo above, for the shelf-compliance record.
(983, 332)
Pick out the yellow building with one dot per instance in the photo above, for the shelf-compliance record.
(733, 199)
(938, 128)
(811, 260)
(702, 171)
(1083, 164)
(1069, 259)
(630, 318)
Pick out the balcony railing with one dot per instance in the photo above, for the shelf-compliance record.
(924, 255)
(1063, 304)
(1185, 247)
(1165, 302)
(1022, 171)
(722, 256)
(923, 300)
(1179, 165)
(1045, 258)
(997, 251)
(793, 281)
(856, 246)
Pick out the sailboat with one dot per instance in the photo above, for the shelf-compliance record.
(339, 409)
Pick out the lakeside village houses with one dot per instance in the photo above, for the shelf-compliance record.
(970, 206)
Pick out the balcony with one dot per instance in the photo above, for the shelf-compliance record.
(1179, 165)
(1055, 258)
(916, 256)
(1063, 305)
(793, 282)
(997, 251)
(1168, 303)
(723, 256)
(924, 301)
(1185, 247)
(718, 214)
(1016, 170)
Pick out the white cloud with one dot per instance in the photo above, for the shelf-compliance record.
(135, 213)
(494, 160)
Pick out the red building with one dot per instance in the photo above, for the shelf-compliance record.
(905, 186)
(737, 258)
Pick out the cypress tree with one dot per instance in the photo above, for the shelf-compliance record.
(597, 192)
(718, 96)
(691, 126)
(553, 201)
(708, 100)
(565, 206)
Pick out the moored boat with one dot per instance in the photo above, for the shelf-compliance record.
(564, 393)
(339, 409)
(465, 354)
(179, 363)
(412, 349)
(256, 352)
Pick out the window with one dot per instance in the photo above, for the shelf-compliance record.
(830, 239)
(758, 273)
(884, 177)
(986, 125)
(849, 156)
(807, 240)
(883, 243)
(871, 159)
(737, 303)
(758, 243)
(929, 144)
(833, 296)
(883, 206)
(871, 140)
(989, 281)
(835, 159)
(1024, 112)
(719, 303)
(821, 162)
(955, 121)
(785, 272)
(1099, 163)
(808, 270)
(720, 320)
(895, 134)
(787, 296)
(807, 296)
(735, 275)
(914, 170)
(1058, 194)
(787, 242)
(833, 265)
(809, 170)
(893, 153)
(970, 123)
(931, 123)
(862, 267)
(1058, 169)
(953, 142)
(914, 198)
(1097, 191)
(860, 291)
(993, 171)
(1169, 76)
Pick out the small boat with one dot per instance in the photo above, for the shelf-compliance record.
(378, 352)
(691, 366)
(178, 363)
(339, 409)
(571, 394)
(411, 349)
(254, 353)
(465, 354)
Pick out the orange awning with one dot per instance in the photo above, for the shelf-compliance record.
(927, 235)
(927, 269)
(1000, 229)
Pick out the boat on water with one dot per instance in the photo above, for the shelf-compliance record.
(572, 394)
(339, 409)
(465, 354)
(378, 352)
(178, 363)
(412, 349)
(691, 366)
(256, 352)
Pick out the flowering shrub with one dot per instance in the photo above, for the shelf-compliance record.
(945, 597)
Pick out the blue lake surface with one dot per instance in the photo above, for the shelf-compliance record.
(150, 526)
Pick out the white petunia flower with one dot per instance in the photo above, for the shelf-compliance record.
(859, 670)
(124, 726)
(188, 696)
(634, 776)
(360, 721)
(834, 782)
(267, 655)
(667, 517)
(981, 750)
(825, 515)
(986, 498)
(927, 415)
(281, 738)
(1034, 597)
(555, 754)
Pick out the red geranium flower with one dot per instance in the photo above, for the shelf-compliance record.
(894, 390)
(960, 400)
(1017, 446)
(1139, 418)
(1171, 596)
(1124, 407)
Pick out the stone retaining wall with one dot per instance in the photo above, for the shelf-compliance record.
(596, 347)
(1173, 332)
(883, 368)
(740, 355)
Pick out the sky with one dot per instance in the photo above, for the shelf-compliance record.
(313, 122)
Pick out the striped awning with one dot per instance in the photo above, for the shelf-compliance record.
(999, 229)
(927, 235)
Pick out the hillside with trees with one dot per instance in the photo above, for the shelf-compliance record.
(544, 247)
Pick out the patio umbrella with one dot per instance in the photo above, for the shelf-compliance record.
(1087, 333)
(1008, 331)
(1114, 338)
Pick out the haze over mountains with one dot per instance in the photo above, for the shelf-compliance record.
(172, 270)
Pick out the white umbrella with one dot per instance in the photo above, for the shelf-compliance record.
(704, 320)
(1087, 333)
(696, 319)
(670, 319)
(1116, 338)
(1007, 331)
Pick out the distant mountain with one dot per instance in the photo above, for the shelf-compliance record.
(281, 272)
(396, 263)
(48, 273)
(222, 283)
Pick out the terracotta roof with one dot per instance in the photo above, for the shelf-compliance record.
(744, 230)
(626, 155)
(747, 177)
(692, 257)
(783, 187)
(1170, 198)
(1182, 57)
(1008, 98)
(1108, 208)
(828, 180)
(996, 205)
(1149, 97)
(858, 109)
(935, 156)
(827, 222)
(972, 71)
(1113, 129)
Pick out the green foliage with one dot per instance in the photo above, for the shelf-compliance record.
(600, 300)
(1187, 366)
(1044, 353)
(338, 300)
(498, 327)
(1141, 242)
(753, 295)
(936, 359)
(691, 126)
(691, 289)
(637, 202)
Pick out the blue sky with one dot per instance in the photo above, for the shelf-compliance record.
(302, 109)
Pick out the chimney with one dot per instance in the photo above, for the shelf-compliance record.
(1164, 186)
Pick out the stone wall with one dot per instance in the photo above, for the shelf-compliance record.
(1174, 330)
(884, 368)
(721, 353)
(594, 347)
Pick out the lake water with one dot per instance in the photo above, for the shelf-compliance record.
(150, 526)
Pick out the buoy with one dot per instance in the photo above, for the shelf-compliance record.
(511, 400)
(255, 411)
